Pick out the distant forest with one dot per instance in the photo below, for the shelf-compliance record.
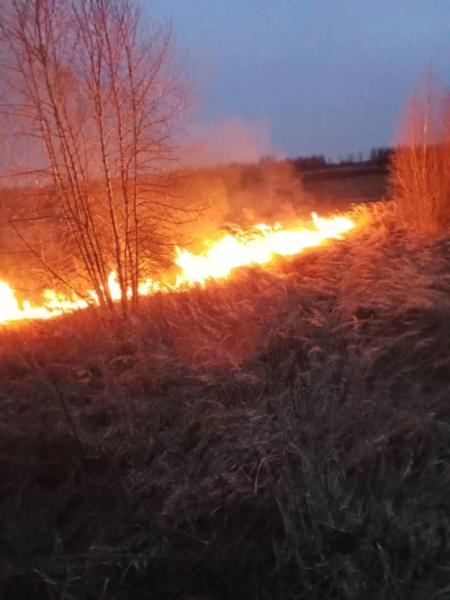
(378, 157)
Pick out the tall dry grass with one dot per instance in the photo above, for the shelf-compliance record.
(420, 170)
(282, 436)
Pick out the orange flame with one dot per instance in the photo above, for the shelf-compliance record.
(54, 304)
(257, 246)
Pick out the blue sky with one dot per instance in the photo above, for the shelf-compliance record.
(305, 76)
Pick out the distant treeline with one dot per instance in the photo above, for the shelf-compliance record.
(378, 157)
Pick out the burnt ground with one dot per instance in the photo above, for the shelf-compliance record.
(284, 435)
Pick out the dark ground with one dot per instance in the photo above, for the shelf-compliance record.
(344, 186)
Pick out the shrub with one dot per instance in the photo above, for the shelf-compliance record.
(420, 168)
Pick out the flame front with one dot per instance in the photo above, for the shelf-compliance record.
(257, 246)
(54, 305)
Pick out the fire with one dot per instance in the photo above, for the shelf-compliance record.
(257, 246)
(53, 305)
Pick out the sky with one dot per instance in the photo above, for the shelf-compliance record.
(299, 77)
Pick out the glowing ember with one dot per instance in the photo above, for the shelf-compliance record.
(258, 246)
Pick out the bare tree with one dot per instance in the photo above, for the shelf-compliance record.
(101, 97)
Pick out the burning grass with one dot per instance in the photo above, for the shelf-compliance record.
(259, 245)
(284, 435)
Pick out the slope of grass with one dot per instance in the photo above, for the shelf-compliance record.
(285, 435)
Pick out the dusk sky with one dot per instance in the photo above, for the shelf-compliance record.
(305, 76)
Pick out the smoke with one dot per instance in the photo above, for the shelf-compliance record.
(230, 140)
(243, 195)
(233, 171)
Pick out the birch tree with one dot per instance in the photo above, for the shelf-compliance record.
(98, 93)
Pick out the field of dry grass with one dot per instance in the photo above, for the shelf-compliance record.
(285, 435)
(339, 188)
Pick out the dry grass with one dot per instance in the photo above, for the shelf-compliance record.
(282, 436)
(420, 172)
